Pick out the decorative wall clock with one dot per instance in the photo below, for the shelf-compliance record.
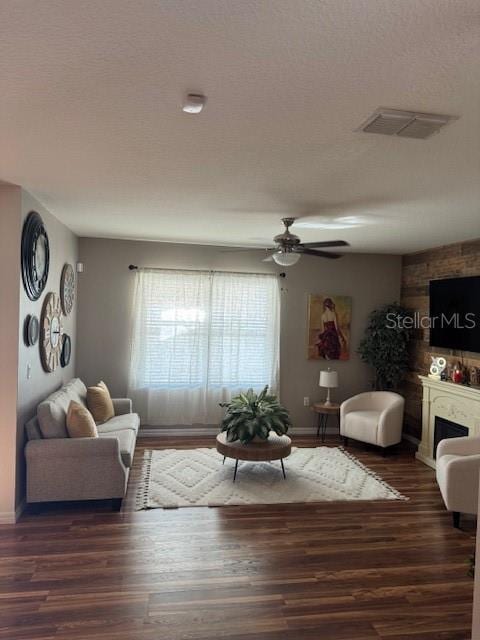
(51, 332)
(66, 350)
(31, 330)
(67, 288)
(35, 255)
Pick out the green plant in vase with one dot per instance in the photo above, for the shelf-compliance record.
(251, 415)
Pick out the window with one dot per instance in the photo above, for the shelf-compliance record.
(199, 338)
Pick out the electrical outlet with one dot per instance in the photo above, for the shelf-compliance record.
(306, 401)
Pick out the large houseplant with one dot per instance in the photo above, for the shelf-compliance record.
(250, 414)
(385, 343)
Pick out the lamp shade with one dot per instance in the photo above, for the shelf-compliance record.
(328, 379)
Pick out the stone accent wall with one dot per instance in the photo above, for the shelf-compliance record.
(461, 259)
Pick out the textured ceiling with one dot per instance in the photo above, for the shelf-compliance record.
(90, 118)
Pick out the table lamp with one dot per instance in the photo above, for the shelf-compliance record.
(329, 380)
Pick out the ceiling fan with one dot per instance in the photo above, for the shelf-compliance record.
(289, 248)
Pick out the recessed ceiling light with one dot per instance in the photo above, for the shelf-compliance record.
(193, 103)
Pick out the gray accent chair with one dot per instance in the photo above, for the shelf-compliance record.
(61, 468)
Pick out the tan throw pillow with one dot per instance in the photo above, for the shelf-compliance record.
(100, 403)
(80, 422)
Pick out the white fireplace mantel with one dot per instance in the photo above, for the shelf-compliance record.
(450, 401)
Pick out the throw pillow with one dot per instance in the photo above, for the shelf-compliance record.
(80, 422)
(100, 403)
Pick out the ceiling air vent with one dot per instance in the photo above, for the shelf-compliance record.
(407, 124)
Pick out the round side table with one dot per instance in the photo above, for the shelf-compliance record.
(275, 448)
(323, 411)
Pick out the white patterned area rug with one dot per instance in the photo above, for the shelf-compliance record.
(197, 478)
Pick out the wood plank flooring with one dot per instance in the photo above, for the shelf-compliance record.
(331, 571)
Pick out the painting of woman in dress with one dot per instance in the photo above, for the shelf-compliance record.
(329, 327)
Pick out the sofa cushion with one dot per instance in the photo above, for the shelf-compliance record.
(100, 403)
(126, 440)
(362, 425)
(52, 412)
(80, 422)
(119, 423)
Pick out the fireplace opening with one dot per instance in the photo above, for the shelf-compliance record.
(446, 429)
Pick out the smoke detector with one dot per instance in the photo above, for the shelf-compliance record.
(194, 103)
(406, 124)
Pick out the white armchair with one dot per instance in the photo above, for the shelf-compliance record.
(458, 469)
(375, 417)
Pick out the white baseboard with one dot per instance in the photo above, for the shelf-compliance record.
(154, 432)
(7, 517)
(11, 517)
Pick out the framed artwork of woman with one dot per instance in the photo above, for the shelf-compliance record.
(329, 320)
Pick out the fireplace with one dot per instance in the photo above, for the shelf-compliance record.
(456, 405)
(446, 429)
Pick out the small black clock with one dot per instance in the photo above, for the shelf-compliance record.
(31, 329)
(35, 255)
(66, 350)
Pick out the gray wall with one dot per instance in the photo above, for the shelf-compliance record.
(106, 290)
(10, 204)
(63, 248)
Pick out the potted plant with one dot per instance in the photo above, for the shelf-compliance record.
(385, 343)
(250, 415)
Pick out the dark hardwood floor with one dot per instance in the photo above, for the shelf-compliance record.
(331, 571)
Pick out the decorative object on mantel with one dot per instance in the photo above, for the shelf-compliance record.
(251, 415)
(437, 367)
(328, 380)
(475, 376)
(384, 346)
(458, 375)
(31, 329)
(174, 478)
(51, 332)
(67, 288)
(448, 371)
(35, 256)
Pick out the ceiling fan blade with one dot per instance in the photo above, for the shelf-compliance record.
(320, 254)
(243, 249)
(326, 243)
(268, 259)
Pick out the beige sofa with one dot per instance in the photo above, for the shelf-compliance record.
(62, 468)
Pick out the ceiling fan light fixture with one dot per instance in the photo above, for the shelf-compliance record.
(286, 258)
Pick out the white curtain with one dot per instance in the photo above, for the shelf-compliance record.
(198, 339)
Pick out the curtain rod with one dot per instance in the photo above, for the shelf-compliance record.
(134, 267)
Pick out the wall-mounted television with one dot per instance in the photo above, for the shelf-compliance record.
(455, 313)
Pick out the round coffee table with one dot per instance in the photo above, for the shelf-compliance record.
(275, 448)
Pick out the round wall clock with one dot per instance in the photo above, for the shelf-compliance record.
(35, 255)
(51, 332)
(31, 330)
(66, 350)
(67, 288)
